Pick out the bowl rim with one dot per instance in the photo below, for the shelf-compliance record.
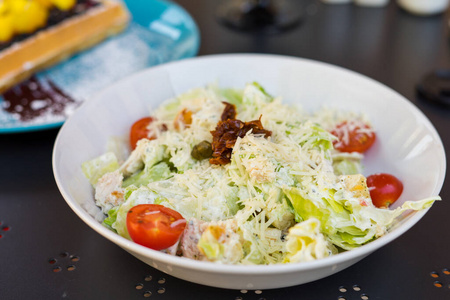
(255, 270)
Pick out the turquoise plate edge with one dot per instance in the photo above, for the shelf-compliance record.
(143, 12)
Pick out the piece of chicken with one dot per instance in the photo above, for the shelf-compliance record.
(191, 236)
(109, 191)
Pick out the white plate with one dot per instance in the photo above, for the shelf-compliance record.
(407, 145)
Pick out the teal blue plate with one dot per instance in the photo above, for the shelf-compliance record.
(160, 31)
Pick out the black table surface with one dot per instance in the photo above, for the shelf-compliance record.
(47, 252)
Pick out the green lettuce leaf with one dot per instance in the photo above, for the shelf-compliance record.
(210, 246)
(254, 94)
(305, 242)
(99, 166)
(157, 172)
(233, 96)
(350, 225)
(318, 138)
(112, 216)
(347, 166)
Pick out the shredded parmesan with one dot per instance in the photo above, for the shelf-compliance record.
(241, 212)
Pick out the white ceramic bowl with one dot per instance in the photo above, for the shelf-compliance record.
(407, 145)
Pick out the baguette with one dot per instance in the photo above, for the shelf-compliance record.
(57, 43)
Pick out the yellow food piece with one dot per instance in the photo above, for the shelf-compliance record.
(6, 28)
(28, 16)
(64, 4)
(3, 8)
(45, 3)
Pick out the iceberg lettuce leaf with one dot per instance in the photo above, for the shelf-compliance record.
(112, 216)
(349, 227)
(347, 166)
(305, 242)
(157, 172)
(99, 166)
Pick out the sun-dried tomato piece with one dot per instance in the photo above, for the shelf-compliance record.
(224, 138)
(257, 128)
(226, 134)
(229, 111)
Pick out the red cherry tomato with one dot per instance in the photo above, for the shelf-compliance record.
(155, 226)
(139, 130)
(353, 136)
(384, 189)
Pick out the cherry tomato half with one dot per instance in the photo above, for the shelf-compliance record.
(353, 136)
(155, 226)
(139, 130)
(384, 189)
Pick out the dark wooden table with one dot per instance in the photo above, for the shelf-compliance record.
(40, 233)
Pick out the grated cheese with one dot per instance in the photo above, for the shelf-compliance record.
(244, 209)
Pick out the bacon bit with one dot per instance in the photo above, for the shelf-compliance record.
(183, 119)
(163, 127)
(229, 112)
(226, 134)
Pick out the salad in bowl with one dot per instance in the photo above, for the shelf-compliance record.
(237, 176)
(252, 182)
